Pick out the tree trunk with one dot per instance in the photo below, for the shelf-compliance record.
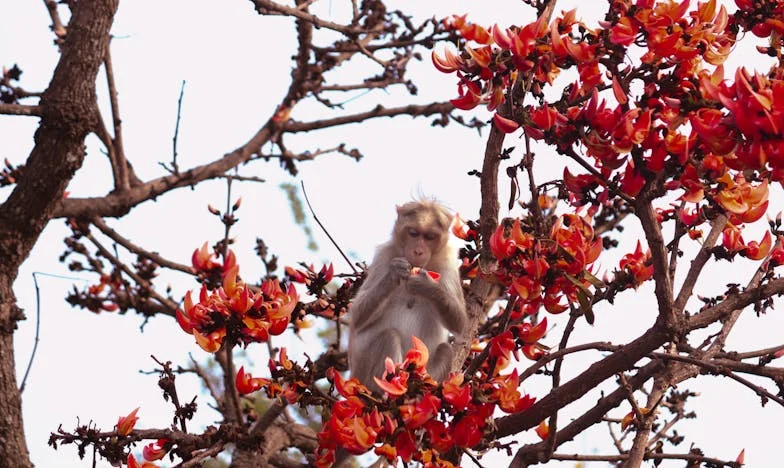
(69, 114)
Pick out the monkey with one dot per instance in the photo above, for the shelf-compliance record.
(395, 303)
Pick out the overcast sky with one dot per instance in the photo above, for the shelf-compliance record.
(236, 65)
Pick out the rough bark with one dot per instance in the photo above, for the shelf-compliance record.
(68, 114)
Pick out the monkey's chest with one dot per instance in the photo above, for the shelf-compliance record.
(417, 316)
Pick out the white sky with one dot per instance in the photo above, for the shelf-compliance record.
(236, 66)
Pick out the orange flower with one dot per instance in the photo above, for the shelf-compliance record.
(632, 417)
(346, 388)
(439, 435)
(624, 31)
(361, 438)
(501, 347)
(504, 124)
(531, 334)
(393, 382)
(450, 63)
(132, 463)
(470, 96)
(543, 430)
(731, 238)
(210, 342)
(455, 393)
(417, 356)
(533, 351)
(509, 398)
(637, 264)
(405, 446)
(246, 383)
(125, 424)
(748, 203)
(387, 451)
(469, 430)
(204, 260)
(758, 251)
(156, 450)
(415, 416)
(504, 246)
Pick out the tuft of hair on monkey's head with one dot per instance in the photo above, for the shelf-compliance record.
(422, 230)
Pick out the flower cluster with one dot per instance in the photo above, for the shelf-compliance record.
(671, 122)
(546, 271)
(418, 420)
(288, 379)
(234, 310)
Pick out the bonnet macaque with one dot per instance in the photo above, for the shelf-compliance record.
(399, 298)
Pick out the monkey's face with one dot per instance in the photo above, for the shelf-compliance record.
(419, 245)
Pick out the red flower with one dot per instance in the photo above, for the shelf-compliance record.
(455, 393)
(132, 463)
(509, 398)
(156, 450)
(637, 264)
(125, 424)
(470, 96)
(246, 383)
(393, 382)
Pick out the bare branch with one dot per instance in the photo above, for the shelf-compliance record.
(413, 110)
(21, 109)
(117, 142)
(115, 236)
(267, 7)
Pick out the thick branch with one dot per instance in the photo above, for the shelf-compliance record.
(621, 360)
(532, 453)
(20, 109)
(735, 301)
(661, 276)
(68, 113)
(119, 204)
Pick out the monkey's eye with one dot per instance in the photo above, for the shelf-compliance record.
(431, 236)
(413, 233)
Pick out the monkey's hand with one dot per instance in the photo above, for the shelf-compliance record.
(399, 269)
(422, 284)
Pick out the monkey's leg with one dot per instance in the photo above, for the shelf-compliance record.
(388, 344)
(440, 362)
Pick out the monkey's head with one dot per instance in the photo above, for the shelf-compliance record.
(421, 231)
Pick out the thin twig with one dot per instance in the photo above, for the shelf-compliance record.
(122, 166)
(115, 236)
(38, 320)
(175, 167)
(717, 226)
(170, 305)
(305, 193)
(719, 370)
(648, 456)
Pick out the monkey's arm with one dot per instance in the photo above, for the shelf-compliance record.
(384, 277)
(447, 295)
